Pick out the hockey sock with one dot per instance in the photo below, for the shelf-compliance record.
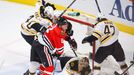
(97, 68)
(33, 66)
(46, 70)
(123, 67)
(28, 73)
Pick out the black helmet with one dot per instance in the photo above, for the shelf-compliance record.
(62, 21)
(100, 17)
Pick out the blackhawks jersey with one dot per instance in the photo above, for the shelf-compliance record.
(106, 32)
(53, 38)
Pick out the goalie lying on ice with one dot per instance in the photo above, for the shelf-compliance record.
(75, 66)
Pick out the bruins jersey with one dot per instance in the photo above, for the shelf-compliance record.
(75, 66)
(39, 3)
(26, 27)
(106, 32)
(72, 63)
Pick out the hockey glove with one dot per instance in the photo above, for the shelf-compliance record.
(69, 30)
(85, 40)
(70, 33)
(89, 39)
(73, 44)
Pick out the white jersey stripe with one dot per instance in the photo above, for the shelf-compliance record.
(48, 56)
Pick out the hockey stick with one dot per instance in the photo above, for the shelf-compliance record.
(132, 63)
(93, 55)
(133, 56)
(66, 8)
(116, 73)
(97, 6)
(74, 52)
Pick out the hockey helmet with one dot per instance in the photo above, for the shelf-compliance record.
(52, 5)
(69, 26)
(81, 65)
(62, 21)
(49, 10)
(100, 17)
(69, 30)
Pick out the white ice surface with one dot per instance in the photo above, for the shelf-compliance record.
(15, 52)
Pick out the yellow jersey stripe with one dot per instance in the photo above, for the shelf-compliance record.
(104, 40)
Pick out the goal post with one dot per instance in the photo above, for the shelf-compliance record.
(78, 21)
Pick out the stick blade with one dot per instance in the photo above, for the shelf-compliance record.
(116, 73)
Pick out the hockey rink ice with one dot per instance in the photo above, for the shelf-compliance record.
(15, 52)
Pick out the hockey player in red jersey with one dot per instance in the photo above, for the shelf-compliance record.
(107, 34)
(48, 45)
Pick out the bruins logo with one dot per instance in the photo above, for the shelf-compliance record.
(72, 64)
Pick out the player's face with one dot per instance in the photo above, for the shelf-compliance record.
(64, 27)
(49, 11)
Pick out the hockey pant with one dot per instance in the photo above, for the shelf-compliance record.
(41, 54)
(28, 39)
(114, 49)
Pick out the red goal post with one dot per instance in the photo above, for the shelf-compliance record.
(78, 21)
